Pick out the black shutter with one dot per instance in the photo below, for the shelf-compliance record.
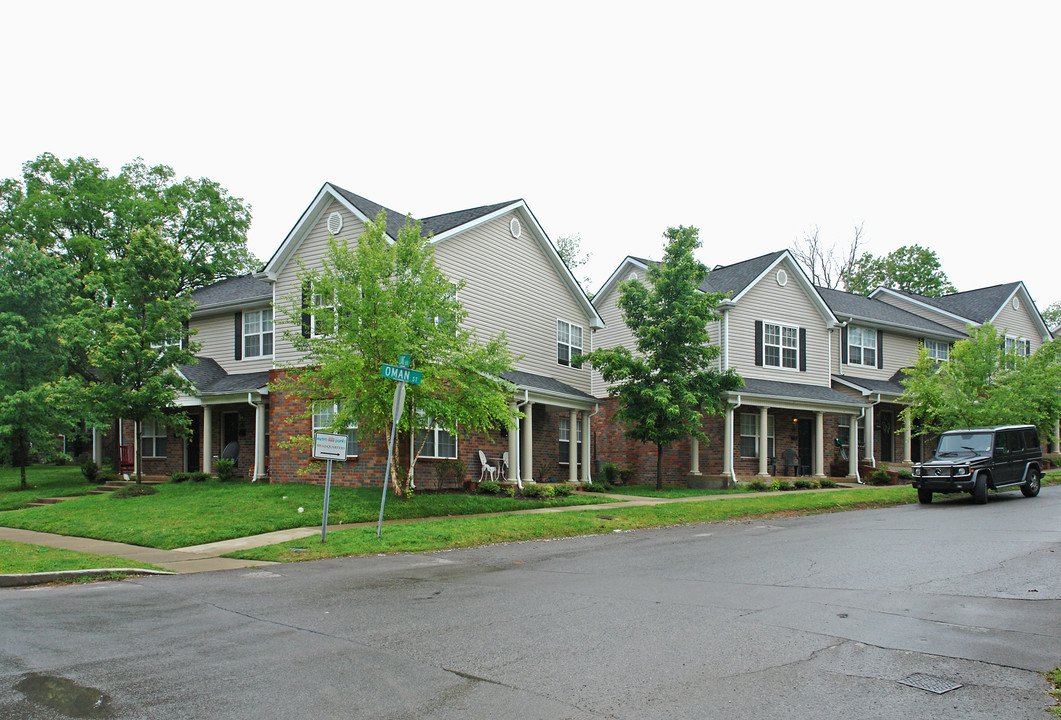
(759, 343)
(307, 297)
(803, 349)
(880, 349)
(843, 345)
(239, 335)
(184, 336)
(1028, 347)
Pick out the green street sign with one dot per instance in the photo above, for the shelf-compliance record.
(404, 360)
(392, 372)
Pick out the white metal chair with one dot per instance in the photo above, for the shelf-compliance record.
(504, 464)
(488, 469)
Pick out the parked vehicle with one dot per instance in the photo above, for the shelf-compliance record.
(975, 460)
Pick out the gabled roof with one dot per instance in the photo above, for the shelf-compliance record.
(245, 289)
(209, 378)
(868, 386)
(849, 306)
(545, 384)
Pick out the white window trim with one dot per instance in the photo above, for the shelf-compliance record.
(770, 436)
(564, 436)
(317, 304)
(781, 327)
(260, 335)
(317, 407)
(434, 440)
(157, 430)
(572, 350)
(935, 348)
(1017, 345)
(862, 346)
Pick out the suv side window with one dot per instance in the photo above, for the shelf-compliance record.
(1002, 443)
(1031, 439)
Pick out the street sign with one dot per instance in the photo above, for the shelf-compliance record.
(404, 360)
(392, 372)
(327, 446)
(399, 402)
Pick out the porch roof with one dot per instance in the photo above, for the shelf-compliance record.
(892, 386)
(209, 378)
(545, 384)
(796, 396)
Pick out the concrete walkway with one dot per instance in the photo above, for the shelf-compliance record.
(207, 557)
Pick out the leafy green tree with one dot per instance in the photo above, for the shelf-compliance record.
(37, 401)
(983, 384)
(377, 299)
(911, 268)
(569, 248)
(665, 390)
(1052, 315)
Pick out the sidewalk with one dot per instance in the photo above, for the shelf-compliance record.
(207, 557)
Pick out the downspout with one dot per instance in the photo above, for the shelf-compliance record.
(254, 477)
(732, 468)
(855, 448)
(519, 445)
(589, 475)
(872, 459)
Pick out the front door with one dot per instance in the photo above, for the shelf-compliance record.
(230, 433)
(193, 455)
(887, 436)
(803, 440)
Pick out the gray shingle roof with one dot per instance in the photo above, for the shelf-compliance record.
(733, 279)
(795, 391)
(977, 305)
(542, 382)
(208, 377)
(245, 288)
(848, 305)
(887, 387)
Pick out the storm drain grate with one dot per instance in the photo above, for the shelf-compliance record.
(930, 683)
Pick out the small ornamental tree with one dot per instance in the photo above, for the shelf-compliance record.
(669, 385)
(376, 299)
(983, 384)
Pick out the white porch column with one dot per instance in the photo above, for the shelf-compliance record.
(259, 440)
(869, 436)
(727, 443)
(572, 447)
(97, 447)
(526, 455)
(207, 439)
(513, 446)
(819, 444)
(764, 441)
(908, 442)
(852, 453)
(1055, 445)
(586, 438)
(694, 468)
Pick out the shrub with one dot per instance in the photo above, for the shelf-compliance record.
(599, 486)
(510, 491)
(827, 483)
(225, 468)
(625, 476)
(538, 490)
(803, 484)
(179, 477)
(91, 471)
(450, 469)
(198, 476)
(130, 491)
(758, 486)
(105, 476)
(562, 490)
(490, 486)
(611, 472)
(880, 477)
(905, 475)
(781, 485)
(545, 471)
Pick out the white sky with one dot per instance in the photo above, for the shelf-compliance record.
(935, 123)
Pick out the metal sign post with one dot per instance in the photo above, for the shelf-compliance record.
(402, 374)
(328, 446)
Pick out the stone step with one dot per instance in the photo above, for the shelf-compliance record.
(47, 502)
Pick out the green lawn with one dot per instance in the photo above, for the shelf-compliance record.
(668, 491)
(16, 558)
(44, 481)
(466, 532)
(193, 513)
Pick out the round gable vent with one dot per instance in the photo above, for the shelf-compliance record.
(632, 276)
(335, 223)
(515, 228)
(782, 278)
(1016, 303)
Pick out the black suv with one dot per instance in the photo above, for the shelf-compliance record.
(977, 459)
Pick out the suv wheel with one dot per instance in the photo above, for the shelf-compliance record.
(1031, 486)
(924, 496)
(980, 489)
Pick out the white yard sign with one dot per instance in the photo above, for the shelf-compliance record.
(327, 446)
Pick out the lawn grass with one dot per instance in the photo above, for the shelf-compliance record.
(193, 513)
(668, 491)
(17, 558)
(44, 481)
(1054, 678)
(467, 532)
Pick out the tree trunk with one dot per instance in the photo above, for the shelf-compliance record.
(659, 467)
(23, 451)
(138, 430)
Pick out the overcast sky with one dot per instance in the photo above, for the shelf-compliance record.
(927, 123)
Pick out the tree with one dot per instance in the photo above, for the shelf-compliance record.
(983, 384)
(37, 401)
(131, 325)
(77, 210)
(911, 268)
(825, 265)
(666, 389)
(569, 248)
(1052, 315)
(376, 300)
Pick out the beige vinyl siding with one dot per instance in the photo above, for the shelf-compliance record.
(899, 351)
(216, 334)
(788, 305)
(1018, 323)
(512, 287)
(928, 314)
(288, 288)
(616, 332)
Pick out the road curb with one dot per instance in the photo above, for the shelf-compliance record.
(27, 579)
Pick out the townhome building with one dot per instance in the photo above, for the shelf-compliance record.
(515, 283)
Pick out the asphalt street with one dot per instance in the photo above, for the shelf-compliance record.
(803, 617)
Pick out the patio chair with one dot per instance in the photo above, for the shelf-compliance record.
(488, 469)
(791, 458)
(503, 470)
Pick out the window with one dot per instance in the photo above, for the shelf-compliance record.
(322, 322)
(749, 435)
(440, 443)
(568, 342)
(565, 439)
(153, 437)
(257, 333)
(780, 346)
(861, 346)
(1022, 348)
(324, 414)
(843, 430)
(938, 351)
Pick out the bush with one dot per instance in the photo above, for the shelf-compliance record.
(225, 468)
(758, 486)
(105, 476)
(611, 472)
(130, 491)
(545, 471)
(905, 475)
(625, 476)
(510, 490)
(91, 471)
(781, 485)
(827, 483)
(602, 486)
(880, 477)
(179, 477)
(450, 469)
(562, 490)
(489, 486)
(198, 476)
(803, 484)
(538, 490)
